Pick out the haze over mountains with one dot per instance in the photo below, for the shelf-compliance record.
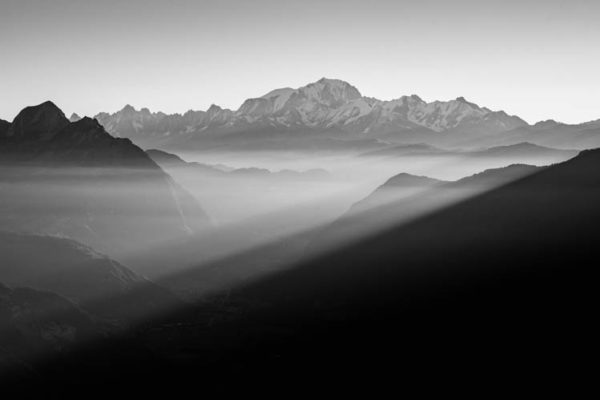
(187, 207)
(63, 183)
(320, 212)
(496, 278)
(405, 197)
(335, 110)
(74, 179)
(410, 300)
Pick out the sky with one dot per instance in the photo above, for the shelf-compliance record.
(539, 59)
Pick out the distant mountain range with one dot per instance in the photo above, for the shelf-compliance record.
(331, 114)
(172, 162)
(520, 151)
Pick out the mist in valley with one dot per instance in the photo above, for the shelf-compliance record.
(104, 241)
(299, 198)
(269, 209)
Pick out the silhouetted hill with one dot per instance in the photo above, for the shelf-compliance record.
(405, 197)
(86, 143)
(163, 158)
(4, 125)
(492, 178)
(173, 162)
(76, 180)
(36, 324)
(37, 123)
(395, 188)
(70, 269)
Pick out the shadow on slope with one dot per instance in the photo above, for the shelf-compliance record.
(502, 280)
(498, 288)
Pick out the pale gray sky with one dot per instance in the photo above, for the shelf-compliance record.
(538, 59)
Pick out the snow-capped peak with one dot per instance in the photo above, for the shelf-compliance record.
(331, 92)
(324, 104)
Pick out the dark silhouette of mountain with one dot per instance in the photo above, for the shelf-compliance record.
(74, 179)
(4, 125)
(495, 177)
(405, 197)
(63, 266)
(172, 161)
(406, 183)
(37, 323)
(36, 124)
(86, 143)
(163, 158)
(327, 109)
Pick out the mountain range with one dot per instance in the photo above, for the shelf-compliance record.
(333, 114)
(171, 162)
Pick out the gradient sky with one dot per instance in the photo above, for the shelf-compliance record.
(537, 59)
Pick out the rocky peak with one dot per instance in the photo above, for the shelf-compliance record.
(330, 92)
(37, 123)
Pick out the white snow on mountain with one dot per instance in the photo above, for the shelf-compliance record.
(325, 104)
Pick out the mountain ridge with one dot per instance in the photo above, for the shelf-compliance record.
(329, 106)
(76, 180)
(77, 272)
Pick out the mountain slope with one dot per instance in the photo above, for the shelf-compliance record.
(70, 269)
(512, 224)
(34, 323)
(4, 126)
(36, 123)
(74, 179)
(406, 197)
(495, 281)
